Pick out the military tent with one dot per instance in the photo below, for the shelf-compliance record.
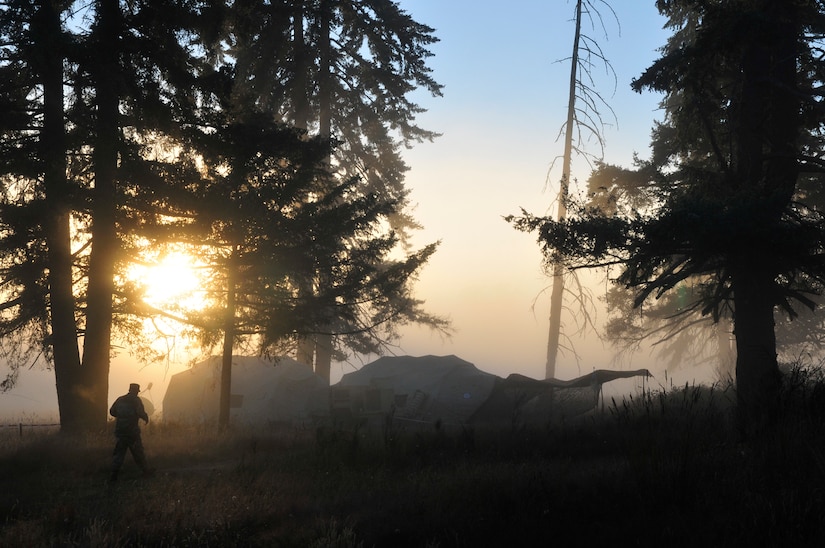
(414, 389)
(263, 392)
(518, 399)
(451, 391)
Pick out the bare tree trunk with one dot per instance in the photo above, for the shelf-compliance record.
(323, 356)
(324, 341)
(228, 344)
(300, 91)
(557, 295)
(97, 340)
(757, 371)
(58, 234)
(305, 351)
(725, 355)
(767, 129)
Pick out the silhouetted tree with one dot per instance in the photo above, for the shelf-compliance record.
(342, 69)
(69, 174)
(267, 214)
(38, 303)
(727, 182)
(137, 148)
(137, 68)
(583, 116)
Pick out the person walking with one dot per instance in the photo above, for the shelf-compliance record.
(127, 411)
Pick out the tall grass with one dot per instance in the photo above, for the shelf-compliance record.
(665, 467)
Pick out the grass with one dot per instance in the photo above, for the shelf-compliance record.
(662, 468)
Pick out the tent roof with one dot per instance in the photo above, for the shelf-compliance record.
(454, 391)
(263, 391)
(427, 388)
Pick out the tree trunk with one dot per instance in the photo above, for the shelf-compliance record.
(305, 352)
(725, 355)
(323, 356)
(97, 340)
(767, 128)
(300, 91)
(757, 371)
(228, 343)
(57, 225)
(324, 341)
(557, 295)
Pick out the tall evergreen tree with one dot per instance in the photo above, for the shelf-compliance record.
(124, 73)
(728, 180)
(344, 69)
(134, 85)
(37, 199)
(270, 216)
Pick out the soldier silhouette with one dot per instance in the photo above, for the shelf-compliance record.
(127, 411)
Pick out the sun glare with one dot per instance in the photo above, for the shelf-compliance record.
(172, 281)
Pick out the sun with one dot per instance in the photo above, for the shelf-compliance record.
(173, 286)
(174, 280)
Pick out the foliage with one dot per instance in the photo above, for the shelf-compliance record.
(129, 125)
(342, 68)
(723, 202)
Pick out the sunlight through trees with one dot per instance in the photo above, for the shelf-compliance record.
(135, 128)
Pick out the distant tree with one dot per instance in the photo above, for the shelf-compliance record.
(677, 336)
(728, 181)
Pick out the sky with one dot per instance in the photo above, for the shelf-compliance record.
(505, 78)
(505, 75)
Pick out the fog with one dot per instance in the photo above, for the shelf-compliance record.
(497, 348)
(499, 121)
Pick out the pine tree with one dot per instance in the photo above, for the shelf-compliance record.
(134, 87)
(72, 167)
(727, 182)
(343, 69)
(270, 216)
(37, 199)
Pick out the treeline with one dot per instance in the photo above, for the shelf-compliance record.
(263, 138)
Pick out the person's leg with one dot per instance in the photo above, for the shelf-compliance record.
(136, 447)
(117, 457)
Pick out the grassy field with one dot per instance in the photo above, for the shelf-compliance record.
(664, 468)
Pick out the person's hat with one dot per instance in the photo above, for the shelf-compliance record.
(134, 387)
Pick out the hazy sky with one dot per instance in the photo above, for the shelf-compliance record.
(505, 99)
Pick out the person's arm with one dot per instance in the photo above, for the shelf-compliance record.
(141, 412)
